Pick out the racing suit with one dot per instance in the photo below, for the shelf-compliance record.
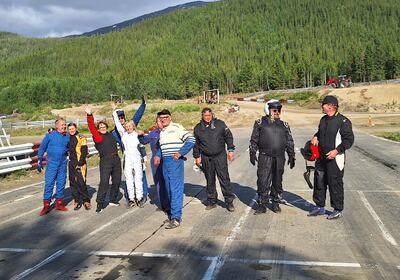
(152, 138)
(136, 119)
(78, 151)
(56, 146)
(333, 133)
(110, 163)
(210, 146)
(133, 161)
(174, 138)
(271, 138)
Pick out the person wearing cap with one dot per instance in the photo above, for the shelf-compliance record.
(175, 143)
(135, 119)
(209, 152)
(55, 144)
(78, 151)
(271, 137)
(334, 137)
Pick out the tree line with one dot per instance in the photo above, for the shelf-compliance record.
(236, 46)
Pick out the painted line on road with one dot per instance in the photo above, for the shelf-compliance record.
(123, 254)
(219, 261)
(375, 216)
(21, 215)
(39, 265)
(60, 252)
(21, 188)
(24, 197)
(368, 191)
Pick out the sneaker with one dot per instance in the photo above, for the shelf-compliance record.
(275, 207)
(210, 206)
(174, 223)
(261, 208)
(230, 207)
(141, 203)
(280, 200)
(87, 205)
(335, 215)
(115, 203)
(130, 204)
(99, 208)
(316, 211)
(77, 206)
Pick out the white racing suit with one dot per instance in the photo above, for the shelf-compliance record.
(133, 162)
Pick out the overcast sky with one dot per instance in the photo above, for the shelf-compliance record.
(55, 18)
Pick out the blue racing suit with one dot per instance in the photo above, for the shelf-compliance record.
(152, 138)
(136, 119)
(56, 146)
(174, 138)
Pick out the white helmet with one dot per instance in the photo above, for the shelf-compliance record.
(272, 104)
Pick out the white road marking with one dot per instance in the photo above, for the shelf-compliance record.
(39, 265)
(368, 191)
(52, 257)
(375, 216)
(300, 263)
(21, 188)
(219, 261)
(204, 258)
(21, 215)
(24, 197)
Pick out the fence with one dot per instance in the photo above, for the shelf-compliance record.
(24, 156)
(44, 123)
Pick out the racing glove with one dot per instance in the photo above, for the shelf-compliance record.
(253, 158)
(291, 162)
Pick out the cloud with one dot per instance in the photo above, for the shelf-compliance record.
(50, 18)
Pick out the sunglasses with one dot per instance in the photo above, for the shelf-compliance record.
(101, 127)
(164, 117)
(275, 110)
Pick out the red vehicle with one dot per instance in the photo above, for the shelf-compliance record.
(341, 82)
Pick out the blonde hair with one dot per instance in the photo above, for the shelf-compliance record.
(130, 122)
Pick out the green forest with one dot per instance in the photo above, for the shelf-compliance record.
(233, 45)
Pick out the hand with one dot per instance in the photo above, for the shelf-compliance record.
(88, 110)
(253, 158)
(198, 161)
(314, 141)
(231, 156)
(113, 105)
(39, 166)
(78, 169)
(291, 162)
(332, 154)
(144, 98)
(177, 156)
(157, 161)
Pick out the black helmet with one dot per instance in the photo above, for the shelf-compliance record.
(272, 104)
(330, 99)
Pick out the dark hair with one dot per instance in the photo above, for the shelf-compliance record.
(164, 112)
(72, 124)
(206, 110)
(101, 122)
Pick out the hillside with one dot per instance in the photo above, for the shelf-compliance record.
(236, 45)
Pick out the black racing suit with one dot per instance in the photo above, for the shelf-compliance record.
(210, 146)
(271, 138)
(333, 133)
(78, 152)
(110, 163)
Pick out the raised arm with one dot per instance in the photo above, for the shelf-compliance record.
(118, 125)
(139, 112)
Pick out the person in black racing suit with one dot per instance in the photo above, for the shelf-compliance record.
(271, 137)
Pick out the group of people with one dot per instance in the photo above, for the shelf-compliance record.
(213, 147)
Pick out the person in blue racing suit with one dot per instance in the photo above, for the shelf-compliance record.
(55, 144)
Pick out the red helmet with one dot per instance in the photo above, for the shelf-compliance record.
(310, 152)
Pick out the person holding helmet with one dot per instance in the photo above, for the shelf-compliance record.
(271, 137)
(334, 137)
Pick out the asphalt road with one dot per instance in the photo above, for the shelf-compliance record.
(133, 244)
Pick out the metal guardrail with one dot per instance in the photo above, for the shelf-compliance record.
(5, 123)
(24, 156)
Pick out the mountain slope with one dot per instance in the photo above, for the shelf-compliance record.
(131, 22)
(236, 45)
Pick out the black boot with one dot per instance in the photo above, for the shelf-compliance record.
(275, 207)
(261, 209)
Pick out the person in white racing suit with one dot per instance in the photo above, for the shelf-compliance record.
(133, 161)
